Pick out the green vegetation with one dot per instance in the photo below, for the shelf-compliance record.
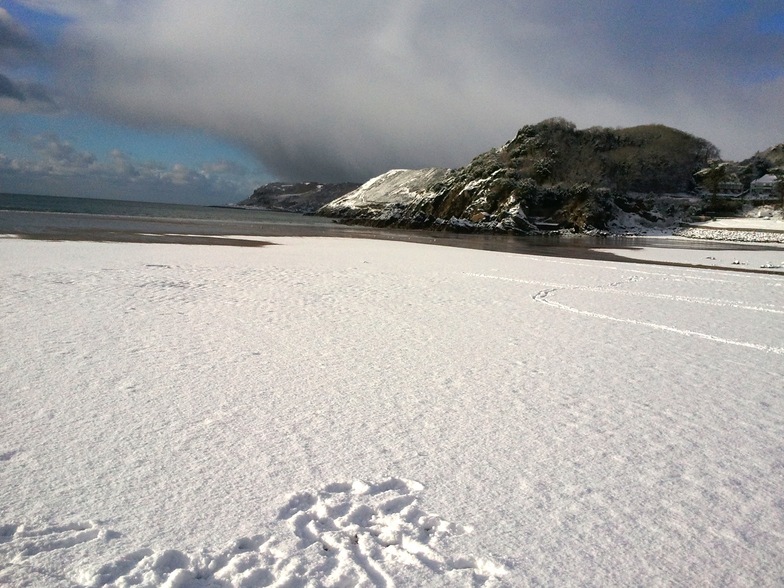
(764, 162)
(553, 175)
(712, 178)
(778, 190)
(573, 177)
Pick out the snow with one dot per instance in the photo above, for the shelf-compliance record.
(768, 228)
(392, 188)
(768, 259)
(713, 234)
(628, 223)
(760, 224)
(340, 412)
(766, 180)
(741, 223)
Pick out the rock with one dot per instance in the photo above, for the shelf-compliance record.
(563, 177)
(302, 197)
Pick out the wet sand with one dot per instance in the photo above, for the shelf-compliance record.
(90, 227)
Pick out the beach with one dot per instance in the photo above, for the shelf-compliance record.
(329, 412)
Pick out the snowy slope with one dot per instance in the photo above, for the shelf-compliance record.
(390, 196)
(401, 186)
(348, 412)
(769, 259)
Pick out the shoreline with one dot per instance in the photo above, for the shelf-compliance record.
(752, 255)
(658, 250)
(730, 234)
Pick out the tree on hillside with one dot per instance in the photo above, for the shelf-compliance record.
(753, 168)
(711, 178)
(778, 187)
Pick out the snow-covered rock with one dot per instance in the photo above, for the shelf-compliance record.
(409, 198)
(391, 196)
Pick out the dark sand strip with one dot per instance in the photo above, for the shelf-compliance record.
(78, 227)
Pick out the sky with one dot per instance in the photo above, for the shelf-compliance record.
(201, 101)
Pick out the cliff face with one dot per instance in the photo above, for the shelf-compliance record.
(774, 156)
(303, 197)
(393, 198)
(550, 174)
(761, 163)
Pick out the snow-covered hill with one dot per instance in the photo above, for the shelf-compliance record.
(406, 197)
(390, 197)
(550, 175)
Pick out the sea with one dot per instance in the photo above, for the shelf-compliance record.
(93, 219)
(40, 215)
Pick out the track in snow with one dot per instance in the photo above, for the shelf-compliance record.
(345, 534)
(549, 291)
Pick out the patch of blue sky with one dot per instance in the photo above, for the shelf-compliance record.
(35, 72)
(772, 24)
(696, 15)
(683, 23)
(762, 75)
(719, 12)
(191, 148)
(44, 27)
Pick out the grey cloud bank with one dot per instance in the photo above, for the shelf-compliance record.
(59, 168)
(15, 42)
(23, 96)
(341, 91)
(18, 48)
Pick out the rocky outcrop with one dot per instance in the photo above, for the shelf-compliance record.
(394, 198)
(774, 155)
(302, 197)
(406, 198)
(550, 176)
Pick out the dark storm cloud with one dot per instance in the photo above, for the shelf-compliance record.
(16, 44)
(9, 90)
(23, 96)
(342, 90)
(18, 48)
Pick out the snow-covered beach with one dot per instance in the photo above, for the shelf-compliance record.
(341, 412)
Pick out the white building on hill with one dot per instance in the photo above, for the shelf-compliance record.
(762, 188)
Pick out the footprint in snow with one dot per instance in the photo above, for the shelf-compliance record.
(24, 551)
(7, 455)
(22, 541)
(375, 530)
(344, 534)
